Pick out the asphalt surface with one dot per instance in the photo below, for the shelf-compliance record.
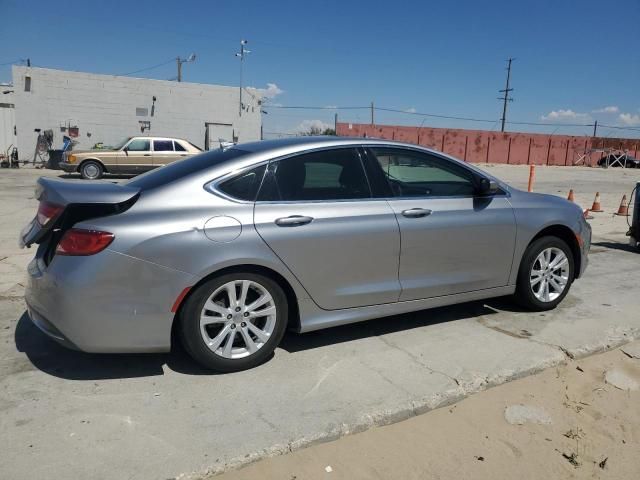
(66, 414)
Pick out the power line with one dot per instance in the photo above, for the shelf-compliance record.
(316, 108)
(146, 68)
(468, 119)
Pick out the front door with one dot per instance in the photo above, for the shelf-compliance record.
(453, 241)
(136, 156)
(315, 211)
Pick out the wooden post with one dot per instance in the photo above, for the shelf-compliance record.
(529, 152)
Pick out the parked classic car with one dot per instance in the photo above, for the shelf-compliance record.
(131, 156)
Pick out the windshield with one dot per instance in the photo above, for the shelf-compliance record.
(121, 144)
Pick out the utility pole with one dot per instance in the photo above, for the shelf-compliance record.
(335, 123)
(506, 98)
(595, 128)
(372, 109)
(180, 61)
(240, 55)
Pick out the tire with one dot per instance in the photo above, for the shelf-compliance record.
(209, 345)
(91, 170)
(533, 296)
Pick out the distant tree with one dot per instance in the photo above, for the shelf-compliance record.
(314, 130)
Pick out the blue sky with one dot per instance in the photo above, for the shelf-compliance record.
(573, 59)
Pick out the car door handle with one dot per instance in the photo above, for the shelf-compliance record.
(416, 212)
(293, 221)
(146, 154)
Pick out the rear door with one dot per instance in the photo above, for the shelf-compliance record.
(316, 212)
(453, 241)
(163, 152)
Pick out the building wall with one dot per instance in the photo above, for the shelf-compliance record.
(107, 108)
(482, 146)
(7, 119)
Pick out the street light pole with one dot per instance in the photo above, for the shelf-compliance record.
(180, 61)
(240, 55)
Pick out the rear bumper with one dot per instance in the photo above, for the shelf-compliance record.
(105, 303)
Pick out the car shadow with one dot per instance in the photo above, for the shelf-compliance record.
(56, 360)
(293, 342)
(50, 357)
(616, 246)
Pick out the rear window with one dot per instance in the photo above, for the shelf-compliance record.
(182, 168)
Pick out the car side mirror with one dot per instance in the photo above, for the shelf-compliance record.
(126, 150)
(487, 186)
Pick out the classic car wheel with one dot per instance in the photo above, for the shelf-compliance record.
(91, 170)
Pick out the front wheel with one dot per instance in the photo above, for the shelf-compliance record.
(91, 170)
(234, 322)
(546, 273)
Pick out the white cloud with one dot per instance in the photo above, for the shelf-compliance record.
(565, 115)
(271, 91)
(306, 126)
(410, 110)
(629, 119)
(609, 109)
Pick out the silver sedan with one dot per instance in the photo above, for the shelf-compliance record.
(231, 247)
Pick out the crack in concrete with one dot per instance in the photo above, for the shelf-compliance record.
(417, 359)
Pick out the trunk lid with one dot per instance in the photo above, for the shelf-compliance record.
(66, 202)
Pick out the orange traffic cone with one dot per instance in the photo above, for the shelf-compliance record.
(587, 216)
(623, 209)
(596, 204)
(570, 197)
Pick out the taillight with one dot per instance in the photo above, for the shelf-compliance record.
(83, 242)
(47, 211)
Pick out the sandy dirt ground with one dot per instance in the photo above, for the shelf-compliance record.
(570, 421)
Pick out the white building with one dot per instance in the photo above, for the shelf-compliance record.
(93, 109)
(7, 119)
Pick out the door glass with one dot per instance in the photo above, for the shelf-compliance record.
(326, 175)
(415, 174)
(139, 145)
(179, 148)
(163, 145)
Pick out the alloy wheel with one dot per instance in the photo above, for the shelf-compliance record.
(238, 319)
(549, 274)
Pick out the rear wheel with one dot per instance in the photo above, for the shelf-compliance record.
(91, 170)
(546, 273)
(234, 322)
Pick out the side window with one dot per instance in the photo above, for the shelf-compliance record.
(163, 145)
(139, 145)
(178, 147)
(415, 174)
(244, 186)
(327, 175)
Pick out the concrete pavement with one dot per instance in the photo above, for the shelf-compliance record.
(65, 413)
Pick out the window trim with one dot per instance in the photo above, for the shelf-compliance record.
(375, 165)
